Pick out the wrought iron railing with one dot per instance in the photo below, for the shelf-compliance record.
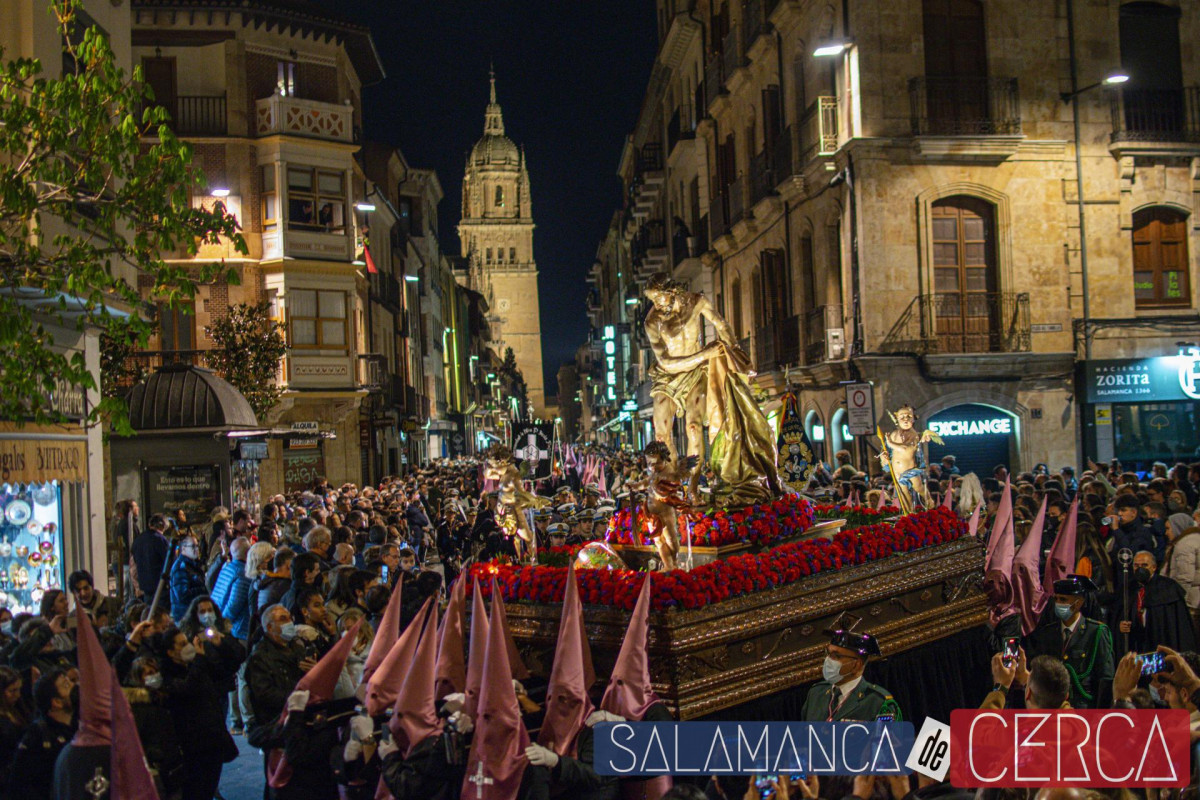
(732, 55)
(200, 115)
(762, 176)
(718, 216)
(737, 200)
(962, 106)
(777, 345)
(650, 158)
(714, 80)
(138, 366)
(817, 323)
(754, 22)
(819, 129)
(681, 127)
(372, 371)
(963, 322)
(1156, 115)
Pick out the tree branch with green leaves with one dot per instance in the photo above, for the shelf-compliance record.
(95, 196)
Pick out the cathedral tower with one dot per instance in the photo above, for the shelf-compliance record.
(496, 236)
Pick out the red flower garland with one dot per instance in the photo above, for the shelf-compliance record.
(727, 578)
(758, 525)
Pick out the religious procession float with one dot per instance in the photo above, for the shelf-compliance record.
(748, 576)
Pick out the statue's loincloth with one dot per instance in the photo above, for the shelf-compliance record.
(676, 386)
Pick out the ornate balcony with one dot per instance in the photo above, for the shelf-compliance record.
(281, 114)
(955, 322)
(1156, 115)
(819, 129)
(372, 371)
(961, 106)
(817, 325)
(778, 345)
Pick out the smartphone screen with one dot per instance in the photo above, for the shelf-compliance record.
(765, 786)
(1152, 663)
(1011, 650)
(383, 572)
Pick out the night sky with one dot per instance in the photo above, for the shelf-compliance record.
(569, 77)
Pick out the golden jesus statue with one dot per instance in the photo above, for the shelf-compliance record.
(706, 385)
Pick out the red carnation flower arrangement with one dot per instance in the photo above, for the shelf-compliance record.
(727, 578)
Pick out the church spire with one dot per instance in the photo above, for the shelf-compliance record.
(493, 121)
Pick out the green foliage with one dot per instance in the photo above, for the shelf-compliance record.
(249, 347)
(94, 194)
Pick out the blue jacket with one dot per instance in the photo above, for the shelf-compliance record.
(187, 583)
(231, 593)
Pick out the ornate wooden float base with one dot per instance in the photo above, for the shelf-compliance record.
(639, 556)
(729, 653)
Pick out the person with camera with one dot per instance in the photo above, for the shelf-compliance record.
(1083, 645)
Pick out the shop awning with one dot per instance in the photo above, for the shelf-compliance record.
(41, 453)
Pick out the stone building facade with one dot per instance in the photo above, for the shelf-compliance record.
(891, 194)
(496, 236)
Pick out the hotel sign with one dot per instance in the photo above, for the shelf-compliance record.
(1157, 380)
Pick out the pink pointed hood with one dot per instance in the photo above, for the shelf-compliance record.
(1001, 548)
(95, 686)
(496, 761)
(629, 692)
(883, 498)
(415, 718)
(320, 681)
(973, 525)
(478, 647)
(519, 671)
(388, 633)
(567, 702)
(105, 718)
(948, 501)
(1061, 561)
(451, 670)
(1027, 582)
(385, 684)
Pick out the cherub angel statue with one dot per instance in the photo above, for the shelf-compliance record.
(903, 456)
(666, 497)
(513, 500)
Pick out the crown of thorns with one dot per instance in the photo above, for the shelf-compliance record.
(662, 282)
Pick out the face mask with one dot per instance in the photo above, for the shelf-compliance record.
(1141, 574)
(287, 631)
(831, 670)
(154, 681)
(187, 653)
(6, 627)
(1063, 612)
(208, 619)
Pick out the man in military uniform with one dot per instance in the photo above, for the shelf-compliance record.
(557, 531)
(581, 524)
(563, 512)
(541, 525)
(843, 694)
(600, 520)
(591, 496)
(1083, 645)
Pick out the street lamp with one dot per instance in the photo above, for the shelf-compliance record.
(1114, 78)
(832, 48)
(364, 207)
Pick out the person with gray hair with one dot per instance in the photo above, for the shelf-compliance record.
(318, 541)
(1182, 561)
(1158, 610)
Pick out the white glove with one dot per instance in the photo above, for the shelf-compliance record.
(352, 751)
(461, 722)
(387, 747)
(306, 632)
(361, 727)
(602, 716)
(518, 688)
(454, 701)
(297, 700)
(541, 757)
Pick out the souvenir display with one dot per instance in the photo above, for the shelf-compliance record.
(30, 545)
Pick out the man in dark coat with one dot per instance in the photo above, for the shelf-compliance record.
(272, 670)
(1157, 609)
(1132, 533)
(150, 550)
(1084, 645)
(187, 577)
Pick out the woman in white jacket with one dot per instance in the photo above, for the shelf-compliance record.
(1182, 561)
